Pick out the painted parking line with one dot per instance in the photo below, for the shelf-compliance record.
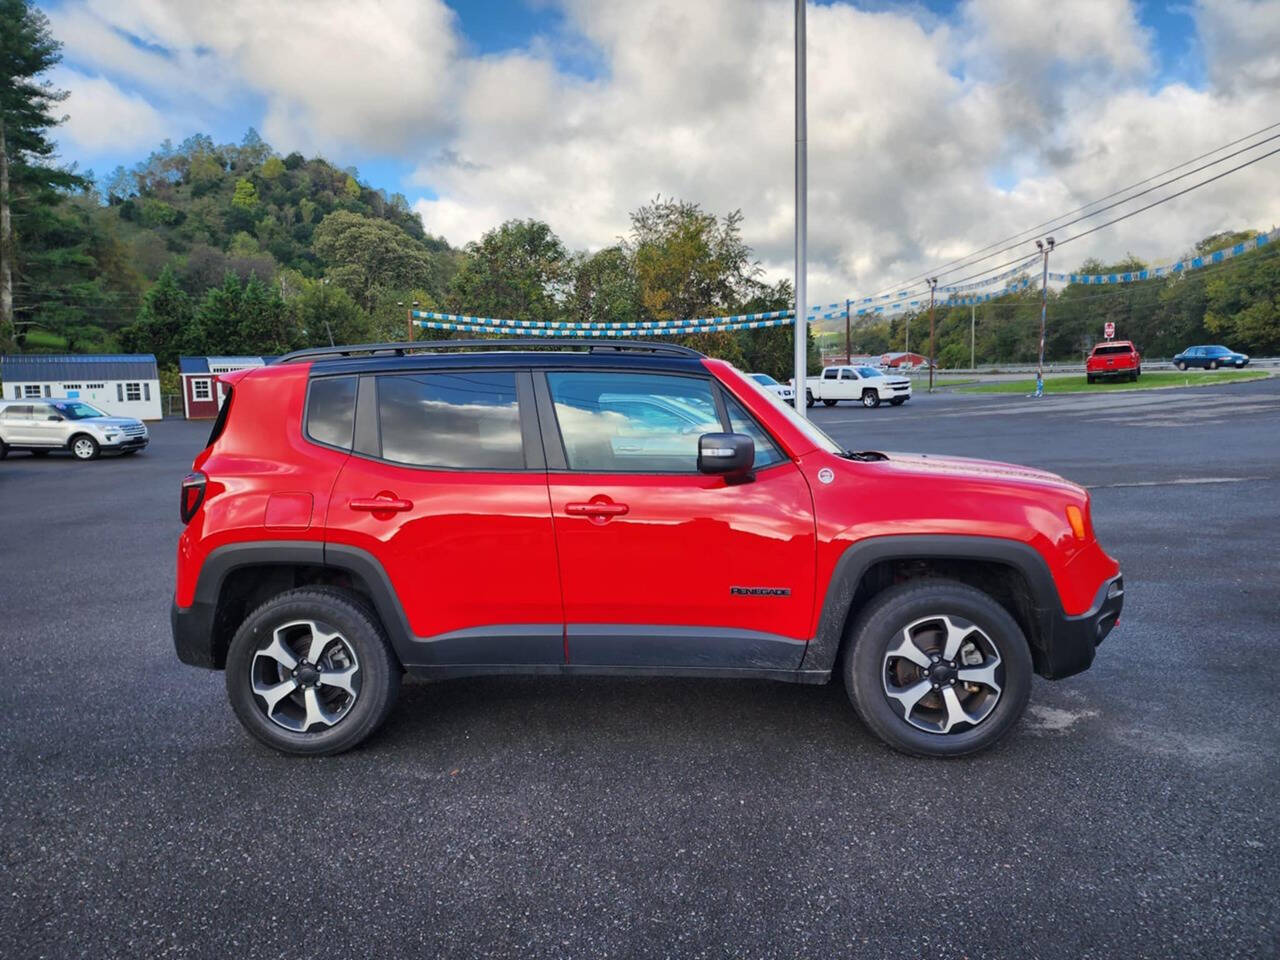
(1175, 482)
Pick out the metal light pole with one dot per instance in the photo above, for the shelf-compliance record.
(848, 348)
(973, 322)
(802, 307)
(1044, 309)
(933, 282)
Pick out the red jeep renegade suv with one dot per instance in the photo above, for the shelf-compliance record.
(458, 508)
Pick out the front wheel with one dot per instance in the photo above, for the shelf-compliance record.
(808, 398)
(898, 401)
(311, 672)
(1182, 365)
(870, 399)
(828, 403)
(84, 448)
(4, 449)
(937, 668)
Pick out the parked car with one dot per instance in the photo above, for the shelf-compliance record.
(42, 426)
(783, 390)
(1115, 358)
(1211, 358)
(867, 385)
(454, 509)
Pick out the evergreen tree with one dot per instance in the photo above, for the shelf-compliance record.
(163, 319)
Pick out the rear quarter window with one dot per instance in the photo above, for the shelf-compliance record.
(331, 411)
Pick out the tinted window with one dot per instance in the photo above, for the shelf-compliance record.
(468, 419)
(1103, 351)
(331, 410)
(17, 412)
(633, 422)
(831, 373)
(767, 452)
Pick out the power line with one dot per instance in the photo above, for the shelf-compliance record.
(1022, 235)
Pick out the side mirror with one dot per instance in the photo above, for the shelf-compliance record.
(730, 455)
(53, 416)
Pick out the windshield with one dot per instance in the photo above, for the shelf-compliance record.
(869, 372)
(75, 410)
(819, 439)
(764, 378)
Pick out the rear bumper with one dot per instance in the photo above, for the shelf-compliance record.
(1074, 640)
(193, 634)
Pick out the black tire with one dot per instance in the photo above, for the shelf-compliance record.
(4, 450)
(898, 401)
(1089, 378)
(870, 399)
(1137, 373)
(84, 447)
(1182, 365)
(879, 628)
(808, 398)
(829, 403)
(378, 669)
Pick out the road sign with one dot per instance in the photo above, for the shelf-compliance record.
(1109, 331)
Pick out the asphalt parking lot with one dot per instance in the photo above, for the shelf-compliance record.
(1132, 814)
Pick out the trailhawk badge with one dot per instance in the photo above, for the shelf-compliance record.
(826, 475)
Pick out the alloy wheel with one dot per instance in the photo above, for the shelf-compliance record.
(305, 676)
(83, 448)
(944, 674)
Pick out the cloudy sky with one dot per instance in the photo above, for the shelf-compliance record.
(934, 128)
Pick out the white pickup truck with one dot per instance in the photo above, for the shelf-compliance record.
(867, 385)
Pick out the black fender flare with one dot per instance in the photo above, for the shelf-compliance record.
(862, 555)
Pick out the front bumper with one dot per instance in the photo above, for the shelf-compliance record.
(1074, 640)
(127, 443)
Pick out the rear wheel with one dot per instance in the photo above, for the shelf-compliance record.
(808, 398)
(937, 669)
(828, 403)
(1089, 378)
(311, 672)
(1213, 364)
(870, 399)
(84, 447)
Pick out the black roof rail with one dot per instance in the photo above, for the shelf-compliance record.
(522, 343)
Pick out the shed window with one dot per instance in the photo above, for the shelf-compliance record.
(133, 391)
(200, 390)
(31, 390)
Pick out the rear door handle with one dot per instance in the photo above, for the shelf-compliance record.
(381, 504)
(596, 509)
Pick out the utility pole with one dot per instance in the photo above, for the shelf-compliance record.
(973, 322)
(848, 349)
(1044, 309)
(933, 283)
(802, 335)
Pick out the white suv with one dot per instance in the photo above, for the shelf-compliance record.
(783, 390)
(44, 425)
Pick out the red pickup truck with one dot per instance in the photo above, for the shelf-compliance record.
(1115, 358)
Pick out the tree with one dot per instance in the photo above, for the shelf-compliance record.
(365, 256)
(322, 310)
(516, 272)
(27, 178)
(163, 319)
(603, 287)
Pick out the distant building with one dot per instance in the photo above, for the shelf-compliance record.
(123, 385)
(903, 361)
(202, 394)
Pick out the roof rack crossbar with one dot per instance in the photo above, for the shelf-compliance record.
(523, 343)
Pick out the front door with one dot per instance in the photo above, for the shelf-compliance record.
(662, 566)
(48, 428)
(450, 496)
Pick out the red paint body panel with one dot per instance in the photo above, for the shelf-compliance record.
(475, 549)
(682, 543)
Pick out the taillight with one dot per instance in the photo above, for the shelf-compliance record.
(192, 495)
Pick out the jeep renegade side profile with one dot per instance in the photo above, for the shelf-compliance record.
(458, 508)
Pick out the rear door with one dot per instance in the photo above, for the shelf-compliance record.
(662, 566)
(15, 421)
(447, 490)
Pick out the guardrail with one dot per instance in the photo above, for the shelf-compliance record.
(998, 368)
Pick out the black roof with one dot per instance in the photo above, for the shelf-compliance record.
(524, 352)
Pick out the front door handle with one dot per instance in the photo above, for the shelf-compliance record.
(381, 504)
(596, 508)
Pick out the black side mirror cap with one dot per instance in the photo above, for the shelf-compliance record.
(730, 455)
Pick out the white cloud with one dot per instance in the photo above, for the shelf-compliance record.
(928, 136)
(102, 116)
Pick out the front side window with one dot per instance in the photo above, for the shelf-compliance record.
(633, 422)
(469, 420)
(767, 452)
(76, 410)
(331, 410)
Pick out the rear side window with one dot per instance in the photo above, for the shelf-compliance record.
(464, 420)
(331, 411)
